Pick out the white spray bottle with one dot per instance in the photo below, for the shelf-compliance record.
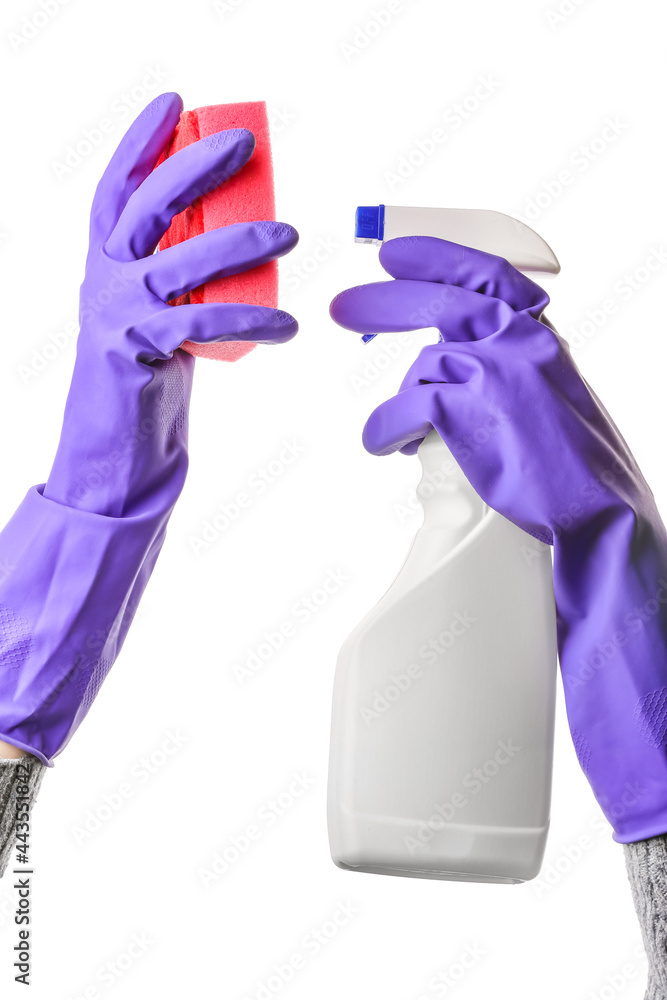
(444, 695)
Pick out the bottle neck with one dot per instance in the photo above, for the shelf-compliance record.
(444, 492)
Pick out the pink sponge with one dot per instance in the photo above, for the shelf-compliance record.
(245, 197)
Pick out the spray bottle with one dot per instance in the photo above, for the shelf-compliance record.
(444, 695)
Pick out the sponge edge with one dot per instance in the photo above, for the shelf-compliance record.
(245, 197)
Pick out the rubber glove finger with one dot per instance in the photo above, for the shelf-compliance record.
(134, 159)
(451, 363)
(209, 323)
(392, 306)
(525, 341)
(403, 421)
(427, 258)
(228, 250)
(180, 179)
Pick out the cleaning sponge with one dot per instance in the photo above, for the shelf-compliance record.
(245, 197)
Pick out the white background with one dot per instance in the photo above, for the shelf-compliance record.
(344, 114)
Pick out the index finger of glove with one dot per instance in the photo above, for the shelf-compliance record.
(398, 305)
(427, 258)
(190, 173)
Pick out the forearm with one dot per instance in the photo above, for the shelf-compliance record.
(20, 778)
(646, 863)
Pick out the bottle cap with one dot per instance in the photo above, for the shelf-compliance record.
(369, 224)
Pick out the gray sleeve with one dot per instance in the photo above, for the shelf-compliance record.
(19, 783)
(646, 862)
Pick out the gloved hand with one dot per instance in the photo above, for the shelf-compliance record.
(537, 445)
(76, 556)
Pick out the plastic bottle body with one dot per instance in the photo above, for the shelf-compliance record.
(444, 699)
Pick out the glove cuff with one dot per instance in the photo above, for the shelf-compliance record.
(70, 583)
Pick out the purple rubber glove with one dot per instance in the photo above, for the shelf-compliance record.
(79, 551)
(536, 444)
